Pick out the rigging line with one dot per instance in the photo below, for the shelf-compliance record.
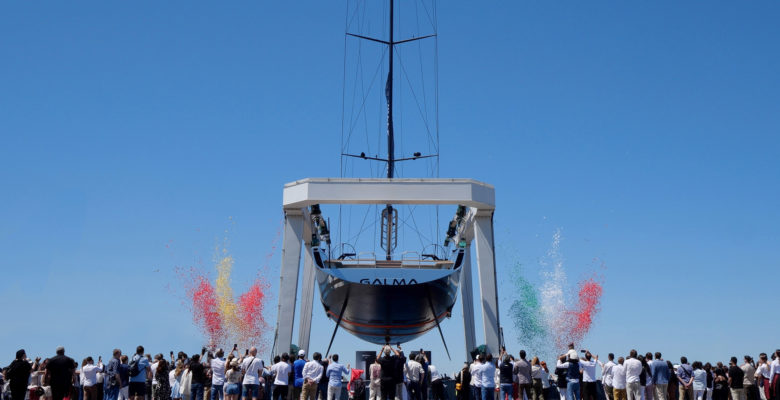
(414, 221)
(428, 13)
(365, 116)
(362, 226)
(363, 104)
(417, 231)
(354, 15)
(414, 95)
(354, 238)
(411, 215)
(419, 52)
(343, 100)
(357, 78)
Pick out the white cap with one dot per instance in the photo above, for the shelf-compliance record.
(301, 353)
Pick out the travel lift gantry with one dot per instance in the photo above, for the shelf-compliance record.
(477, 227)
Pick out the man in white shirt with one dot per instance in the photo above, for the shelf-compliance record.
(476, 378)
(487, 374)
(414, 374)
(606, 376)
(619, 380)
(218, 375)
(437, 386)
(281, 371)
(633, 370)
(312, 373)
(251, 367)
(588, 367)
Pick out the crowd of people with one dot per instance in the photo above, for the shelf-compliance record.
(391, 375)
(633, 377)
(204, 376)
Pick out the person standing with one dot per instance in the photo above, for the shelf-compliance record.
(699, 381)
(59, 373)
(139, 370)
(505, 376)
(281, 372)
(560, 378)
(463, 383)
(720, 389)
(749, 381)
(415, 374)
(633, 371)
(487, 373)
(17, 374)
(619, 380)
(537, 387)
(523, 371)
(476, 378)
(232, 381)
(311, 373)
(334, 373)
(736, 378)
(297, 367)
(218, 365)
(774, 376)
(124, 378)
(375, 379)
(251, 366)
(660, 373)
(388, 364)
(606, 376)
(113, 382)
(437, 386)
(89, 376)
(762, 376)
(198, 382)
(649, 386)
(162, 390)
(684, 375)
(588, 367)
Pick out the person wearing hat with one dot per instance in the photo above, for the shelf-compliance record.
(232, 380)
(298, 371)
(18, 374)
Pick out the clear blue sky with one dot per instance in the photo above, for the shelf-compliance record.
(132, 131)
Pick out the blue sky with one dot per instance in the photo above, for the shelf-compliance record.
(135, 134)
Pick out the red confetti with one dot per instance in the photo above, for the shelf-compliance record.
(205, 309)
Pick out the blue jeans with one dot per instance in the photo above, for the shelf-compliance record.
(573, 390)
(487, 393)
(250, 391)
(196, 391)
(216, 392)
(506, 389)
(476, 393)
(112, 392)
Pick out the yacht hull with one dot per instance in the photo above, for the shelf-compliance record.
(376, 303)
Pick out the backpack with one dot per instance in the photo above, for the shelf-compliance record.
(135, 370)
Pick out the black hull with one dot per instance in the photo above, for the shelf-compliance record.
(403, 307)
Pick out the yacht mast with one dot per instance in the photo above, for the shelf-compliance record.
(389, 213)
